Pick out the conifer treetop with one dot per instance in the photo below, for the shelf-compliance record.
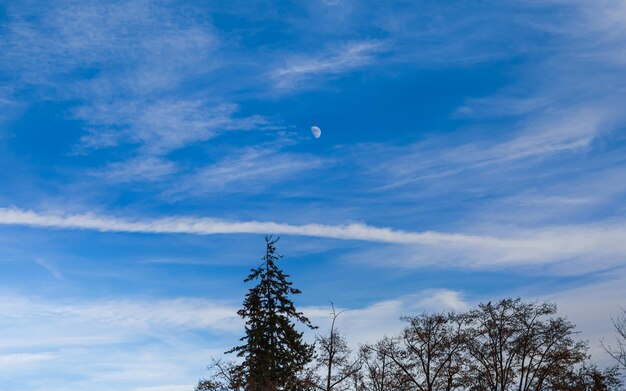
(273, 351)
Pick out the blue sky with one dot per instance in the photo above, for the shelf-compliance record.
(470, 151)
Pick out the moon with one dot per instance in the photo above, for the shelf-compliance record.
(316, 132)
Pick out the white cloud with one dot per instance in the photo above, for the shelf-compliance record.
(438, 299)
(36, 323)
(562, 132)
(152, 344)
(162, 126)
(155, 365)
(591, 306)
(557, 107)
(370, 323)
(18, 359)
(339, 60)
(543, 136)
(249, 170)
(110, 343)
(132, 40)
(49, 267)
(583, 246)
(92, 338)
(127, 68)
(143, 168)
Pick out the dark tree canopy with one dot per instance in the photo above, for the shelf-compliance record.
(273, 351)
(521, 346)
(588, 378)
(507, 346)
(428, 352)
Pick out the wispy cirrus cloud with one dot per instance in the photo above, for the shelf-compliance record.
(250, 170)
(160, 127)
(56, 339)
(17, 359)
(156, 129)
(129, 71)
(50, 268)
(535, 139)
(123, 44)
(142, 168)
(52, 325)
(336, 61)
(556, 107)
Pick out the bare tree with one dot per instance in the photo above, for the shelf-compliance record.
(428, 351)
(378, 371)
(335, 359)
(588, 378)
(618, 350)
(225, 376)
(519, 346)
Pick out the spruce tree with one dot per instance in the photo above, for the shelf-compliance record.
(273, 351)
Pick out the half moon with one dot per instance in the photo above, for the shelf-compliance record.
(316, 132)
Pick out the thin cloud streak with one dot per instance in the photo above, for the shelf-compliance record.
(18, 359)
(527, 247)
(208, 226)
(351, 56)
(346, 58)
(251, 170)
(546, 137)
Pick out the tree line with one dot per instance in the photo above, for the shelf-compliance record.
(504, 346)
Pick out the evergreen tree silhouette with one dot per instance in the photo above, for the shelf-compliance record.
(273, 351)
